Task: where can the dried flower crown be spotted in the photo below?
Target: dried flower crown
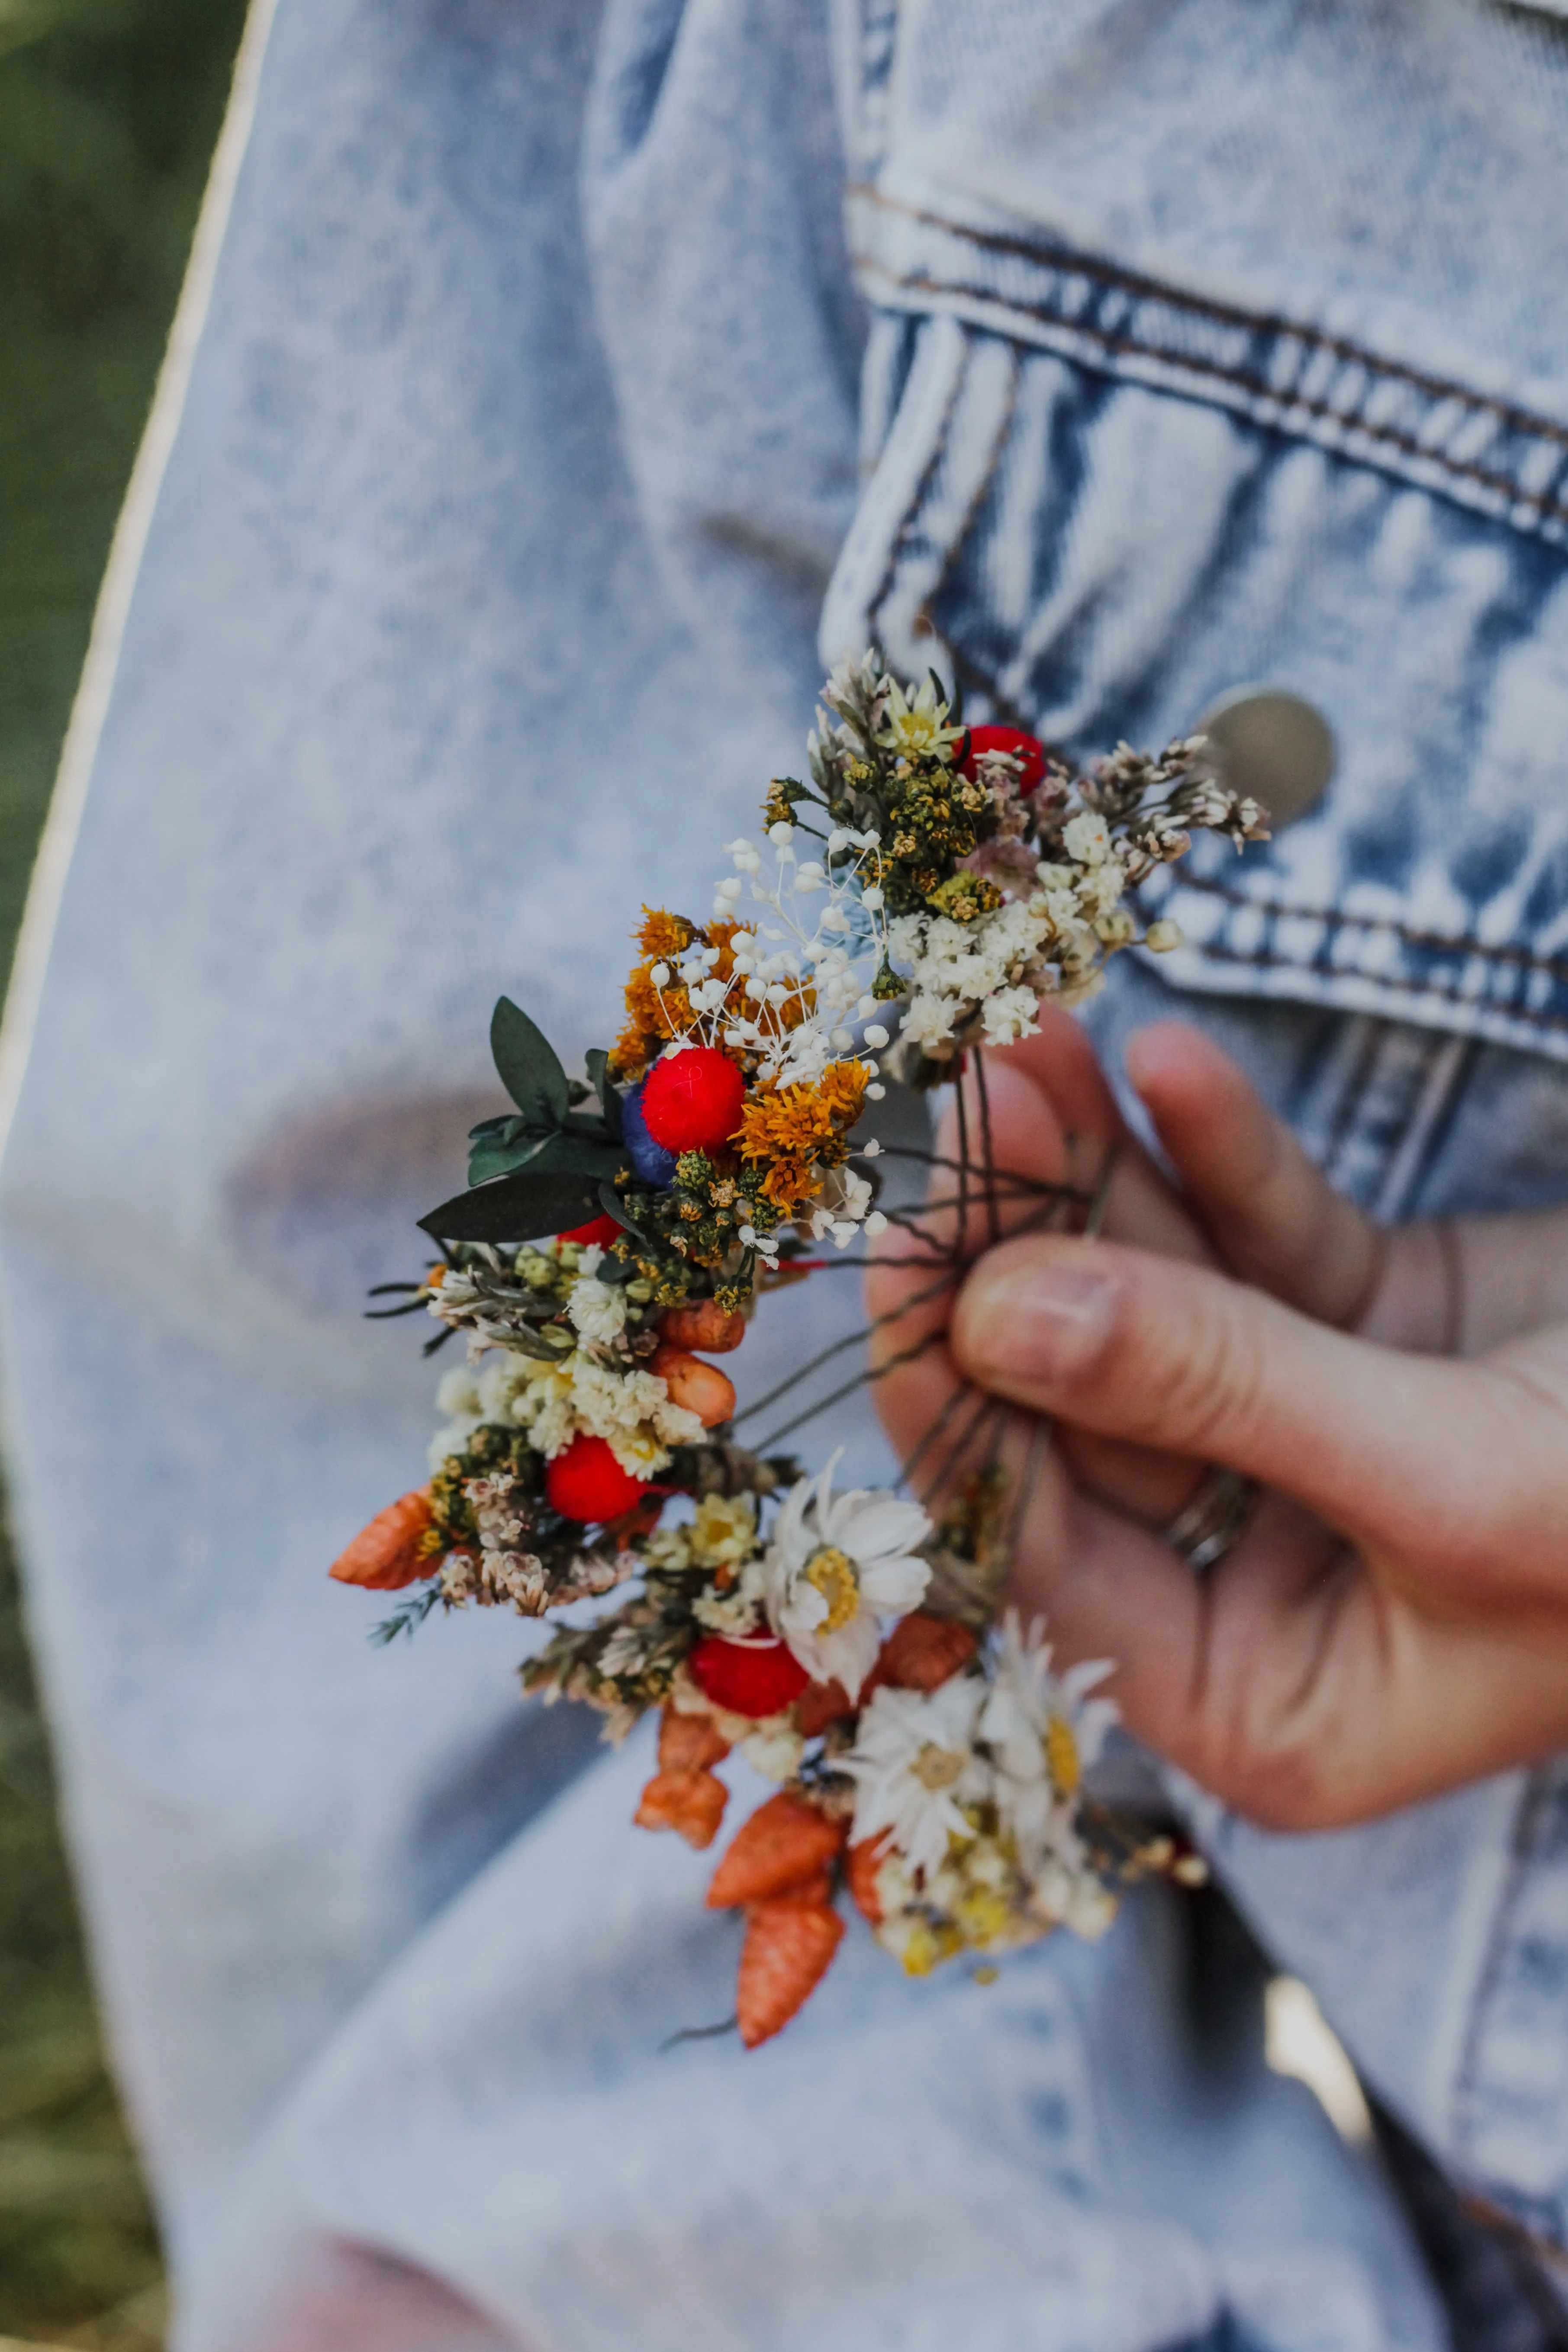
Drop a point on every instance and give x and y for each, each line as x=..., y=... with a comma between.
x=615, y=1238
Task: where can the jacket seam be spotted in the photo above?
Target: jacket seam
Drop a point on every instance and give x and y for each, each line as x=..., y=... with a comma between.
x=1265, y=959
x=999, y=442
x=1337, y=1142
x=972, y=674
x=1103, y=273
x=1337, y=918
x=918, y=494
x=1254, y=386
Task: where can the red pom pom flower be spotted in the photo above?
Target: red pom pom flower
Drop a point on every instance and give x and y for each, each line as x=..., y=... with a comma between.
x=600, y=1230
x=1027, y=749
x=755, y=1677
x=692, y=1101
x=587, y=1482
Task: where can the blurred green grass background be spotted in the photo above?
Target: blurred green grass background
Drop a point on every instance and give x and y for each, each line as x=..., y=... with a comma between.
x=109, y=110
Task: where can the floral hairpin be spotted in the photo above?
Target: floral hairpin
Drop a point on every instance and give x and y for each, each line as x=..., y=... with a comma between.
x=617, y=1233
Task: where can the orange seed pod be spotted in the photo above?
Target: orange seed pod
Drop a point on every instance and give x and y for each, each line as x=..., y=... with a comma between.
x=787, y=1952
x=861, y=1866
x=785, y=1843
x=386, y=1555
x=921, y=1654
x=690, y=1802
x=704, y=1324
x=700, y=1388
x=690, y=1743
x=819, y=1704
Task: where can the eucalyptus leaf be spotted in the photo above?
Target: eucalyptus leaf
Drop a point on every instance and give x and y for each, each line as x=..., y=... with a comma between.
x=528, y=1066
x=580, y=1155
x=496, y=1157
x=521, y=1208
x=595, y=1062
x=577, y=1146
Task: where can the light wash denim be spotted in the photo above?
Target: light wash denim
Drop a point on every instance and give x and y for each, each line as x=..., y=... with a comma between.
x=545, y=433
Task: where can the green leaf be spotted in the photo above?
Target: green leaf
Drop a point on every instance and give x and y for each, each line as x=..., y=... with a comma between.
x=524, y=1208
x=576, y=1155
x=595, y=1063
x=496, y=1157
x=528, y=1066
x=614, y=1206
x=566, y=1151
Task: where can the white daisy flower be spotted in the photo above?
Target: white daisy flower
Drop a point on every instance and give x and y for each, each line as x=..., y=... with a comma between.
x=916, y=1768
x=834, y=1567
x=1044, y=1731
x=919, y=722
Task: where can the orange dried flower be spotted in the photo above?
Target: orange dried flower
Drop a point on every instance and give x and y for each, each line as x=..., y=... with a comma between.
x=922, y=1652
x=787, y=1841
x=392, y=1551
x=690, y=1743
x=819, y=1704
x=861, y=1866
x=788, y=1949
x=690, y=1804
x=843, y=1088
x=649, y=1024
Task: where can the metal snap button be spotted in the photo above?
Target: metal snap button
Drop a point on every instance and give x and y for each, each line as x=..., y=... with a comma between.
x=1276, y=746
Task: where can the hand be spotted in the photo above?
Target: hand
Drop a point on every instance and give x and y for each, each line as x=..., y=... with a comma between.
x=1396, y=1621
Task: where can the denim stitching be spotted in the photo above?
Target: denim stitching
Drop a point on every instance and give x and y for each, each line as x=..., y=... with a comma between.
x=1333, y=921
x=1255, y=387
x=1438, y=943
x=1103, y=273
x=1265, y=960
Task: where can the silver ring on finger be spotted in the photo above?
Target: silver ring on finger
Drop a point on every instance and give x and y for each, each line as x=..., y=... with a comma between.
x=1214, y=1518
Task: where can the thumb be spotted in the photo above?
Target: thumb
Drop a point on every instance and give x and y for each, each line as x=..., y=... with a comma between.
x=1452, y=1465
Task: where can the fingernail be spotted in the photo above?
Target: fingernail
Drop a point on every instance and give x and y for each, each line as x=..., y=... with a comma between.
x=1045, y=1324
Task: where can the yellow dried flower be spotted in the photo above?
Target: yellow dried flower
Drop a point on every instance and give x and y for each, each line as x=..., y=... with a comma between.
x=792, y=1130
x=661, y=936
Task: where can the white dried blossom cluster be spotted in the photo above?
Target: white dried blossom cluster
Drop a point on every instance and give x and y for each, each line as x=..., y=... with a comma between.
x=983, y=982
x=816, y=925
x=631, y=1409
x=978, y=972
x=975, y=1790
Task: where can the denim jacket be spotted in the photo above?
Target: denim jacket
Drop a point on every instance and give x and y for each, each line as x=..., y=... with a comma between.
x=1221, y=344
x=533, y=428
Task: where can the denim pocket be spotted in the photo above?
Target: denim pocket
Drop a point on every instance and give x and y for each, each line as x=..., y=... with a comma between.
x=1102, y=493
